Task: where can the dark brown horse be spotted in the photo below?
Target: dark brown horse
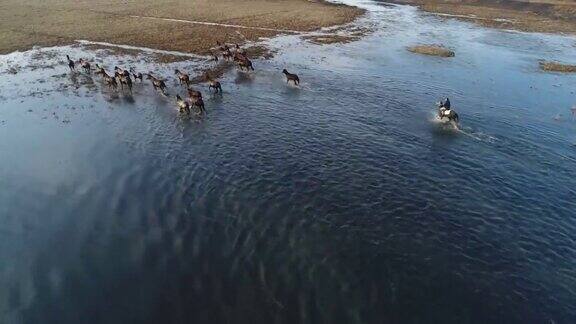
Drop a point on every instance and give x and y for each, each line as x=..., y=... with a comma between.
x=71, y=63
x=291, y=77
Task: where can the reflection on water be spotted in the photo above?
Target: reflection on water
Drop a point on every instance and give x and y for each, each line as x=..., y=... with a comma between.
x=336, y=202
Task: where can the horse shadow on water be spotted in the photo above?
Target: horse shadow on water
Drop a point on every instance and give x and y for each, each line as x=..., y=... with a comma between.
x=244, y=77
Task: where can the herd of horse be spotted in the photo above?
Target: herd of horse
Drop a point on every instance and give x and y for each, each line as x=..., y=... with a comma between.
x=233, y=53
x=125, y=78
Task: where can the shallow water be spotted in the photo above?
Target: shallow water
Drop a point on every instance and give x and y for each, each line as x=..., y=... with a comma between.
x=341, y=201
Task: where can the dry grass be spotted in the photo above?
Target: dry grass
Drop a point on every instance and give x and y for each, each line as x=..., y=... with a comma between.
x=434, y=50
x=57, y=22
x=557, y=67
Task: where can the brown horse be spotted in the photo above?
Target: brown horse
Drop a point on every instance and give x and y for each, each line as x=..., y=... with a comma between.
x=124, y=80
x=110, y=81
x=213, y=84
x=194, y=93
x=156, y=83
x=247, y=64
x=198, y=103
x=183, y=77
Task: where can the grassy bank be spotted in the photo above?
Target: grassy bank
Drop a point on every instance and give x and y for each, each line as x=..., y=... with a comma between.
x=152, y=23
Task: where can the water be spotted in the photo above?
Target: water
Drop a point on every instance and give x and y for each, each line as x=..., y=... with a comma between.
x=341, y=201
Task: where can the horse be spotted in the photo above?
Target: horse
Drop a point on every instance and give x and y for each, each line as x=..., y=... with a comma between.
x=110, y=81
x=124, y=80
x=71, y=63
x=99, y=70
x=122, y=72
x=136, y=75
x=222, y=47
x=183, y=78
x=213, y=84
x=227, y=55
x=183, y=106
x=450, y=114
x=291, y=77
x=239, y=50
x=194, y=93
x=245, y=63
x=156, y=83
x=198, y=103
x=85, y=65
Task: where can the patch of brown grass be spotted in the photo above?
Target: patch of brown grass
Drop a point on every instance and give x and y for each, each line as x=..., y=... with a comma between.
x=331, y=39
x=557, y=67
x=435, y=50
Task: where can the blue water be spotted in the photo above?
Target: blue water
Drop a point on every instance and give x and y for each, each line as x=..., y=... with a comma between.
x=341, y=201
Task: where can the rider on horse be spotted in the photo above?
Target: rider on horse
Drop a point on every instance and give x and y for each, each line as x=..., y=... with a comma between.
x=445, y=104
x=444, y=110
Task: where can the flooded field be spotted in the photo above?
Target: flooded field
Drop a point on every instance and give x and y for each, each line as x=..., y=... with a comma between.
x=339, y=201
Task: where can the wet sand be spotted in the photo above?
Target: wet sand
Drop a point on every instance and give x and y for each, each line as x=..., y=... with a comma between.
x=186, y=26
x=531, y=16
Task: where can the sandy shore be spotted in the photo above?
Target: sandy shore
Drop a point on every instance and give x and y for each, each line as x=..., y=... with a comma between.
x=191, y=26
x=548, y=16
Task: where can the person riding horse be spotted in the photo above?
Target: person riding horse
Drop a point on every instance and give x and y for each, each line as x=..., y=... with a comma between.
x=445, y=104
x=445, y=110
